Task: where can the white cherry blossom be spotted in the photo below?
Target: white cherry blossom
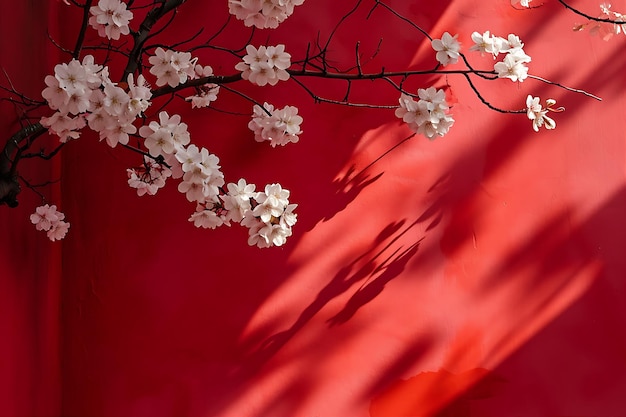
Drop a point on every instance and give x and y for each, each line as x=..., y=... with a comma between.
x=427, y=116
x=538, y=114
x=447, y=49
x=172, y=67
x=207, y=218
x=265, y=65
x=513, y=66
x=110, y=18
x=279, y=127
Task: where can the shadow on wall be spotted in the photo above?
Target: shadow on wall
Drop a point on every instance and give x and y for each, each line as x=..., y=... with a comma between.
x=556, y=260
x=364, y=268
x=560, y=274
x=444, y=393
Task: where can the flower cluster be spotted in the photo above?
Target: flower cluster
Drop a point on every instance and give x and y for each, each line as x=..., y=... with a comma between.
x=538, y=114
x=172, y=67
x=279, y=127
x=200, y=171
x=47, y=218
x=226, y=207
x=110, y=18
x=202, y=177
x=272, y=217
x=268, y=215
x=82, y=94
x=166, y=136
x=429, y=115
x=513, y=66
x=262, y=13
x=447, y=49
x=149, y=177
x=266, y=65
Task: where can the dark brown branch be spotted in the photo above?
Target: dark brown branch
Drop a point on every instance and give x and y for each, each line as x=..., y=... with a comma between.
x=9, y=185
x=319, y=99
x=83, y=28
x=57, y=45
x=484, y=101
x=46, y=156
x=248, y=98
x=142, y=35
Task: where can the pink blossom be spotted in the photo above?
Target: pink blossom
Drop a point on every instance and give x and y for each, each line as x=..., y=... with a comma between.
x=47, y=218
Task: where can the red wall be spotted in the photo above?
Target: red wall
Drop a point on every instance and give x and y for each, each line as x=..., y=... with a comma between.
x=480, y=274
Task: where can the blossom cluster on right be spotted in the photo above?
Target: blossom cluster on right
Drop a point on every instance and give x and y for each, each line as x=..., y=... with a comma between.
x=513, y=66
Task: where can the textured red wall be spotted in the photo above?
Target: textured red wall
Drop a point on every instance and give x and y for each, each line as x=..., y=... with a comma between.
x=481, y=274
x=30, y=268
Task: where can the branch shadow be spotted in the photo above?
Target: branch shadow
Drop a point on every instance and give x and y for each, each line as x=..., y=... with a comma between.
x=565, y=256
x=389, y=269
x=354, y=272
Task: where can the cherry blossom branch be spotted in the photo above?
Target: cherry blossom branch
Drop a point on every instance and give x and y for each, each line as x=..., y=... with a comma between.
x=587, y=16
x=12, y=151
x=82, y=94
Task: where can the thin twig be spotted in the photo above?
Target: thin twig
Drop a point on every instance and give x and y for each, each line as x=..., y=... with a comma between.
x=319, y=99
x=485, y=102
x=573, y=90
x=585, y=15
x=399, y=16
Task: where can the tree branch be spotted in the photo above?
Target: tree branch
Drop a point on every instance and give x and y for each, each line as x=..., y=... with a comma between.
x=142, y=35
x=585, y=15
